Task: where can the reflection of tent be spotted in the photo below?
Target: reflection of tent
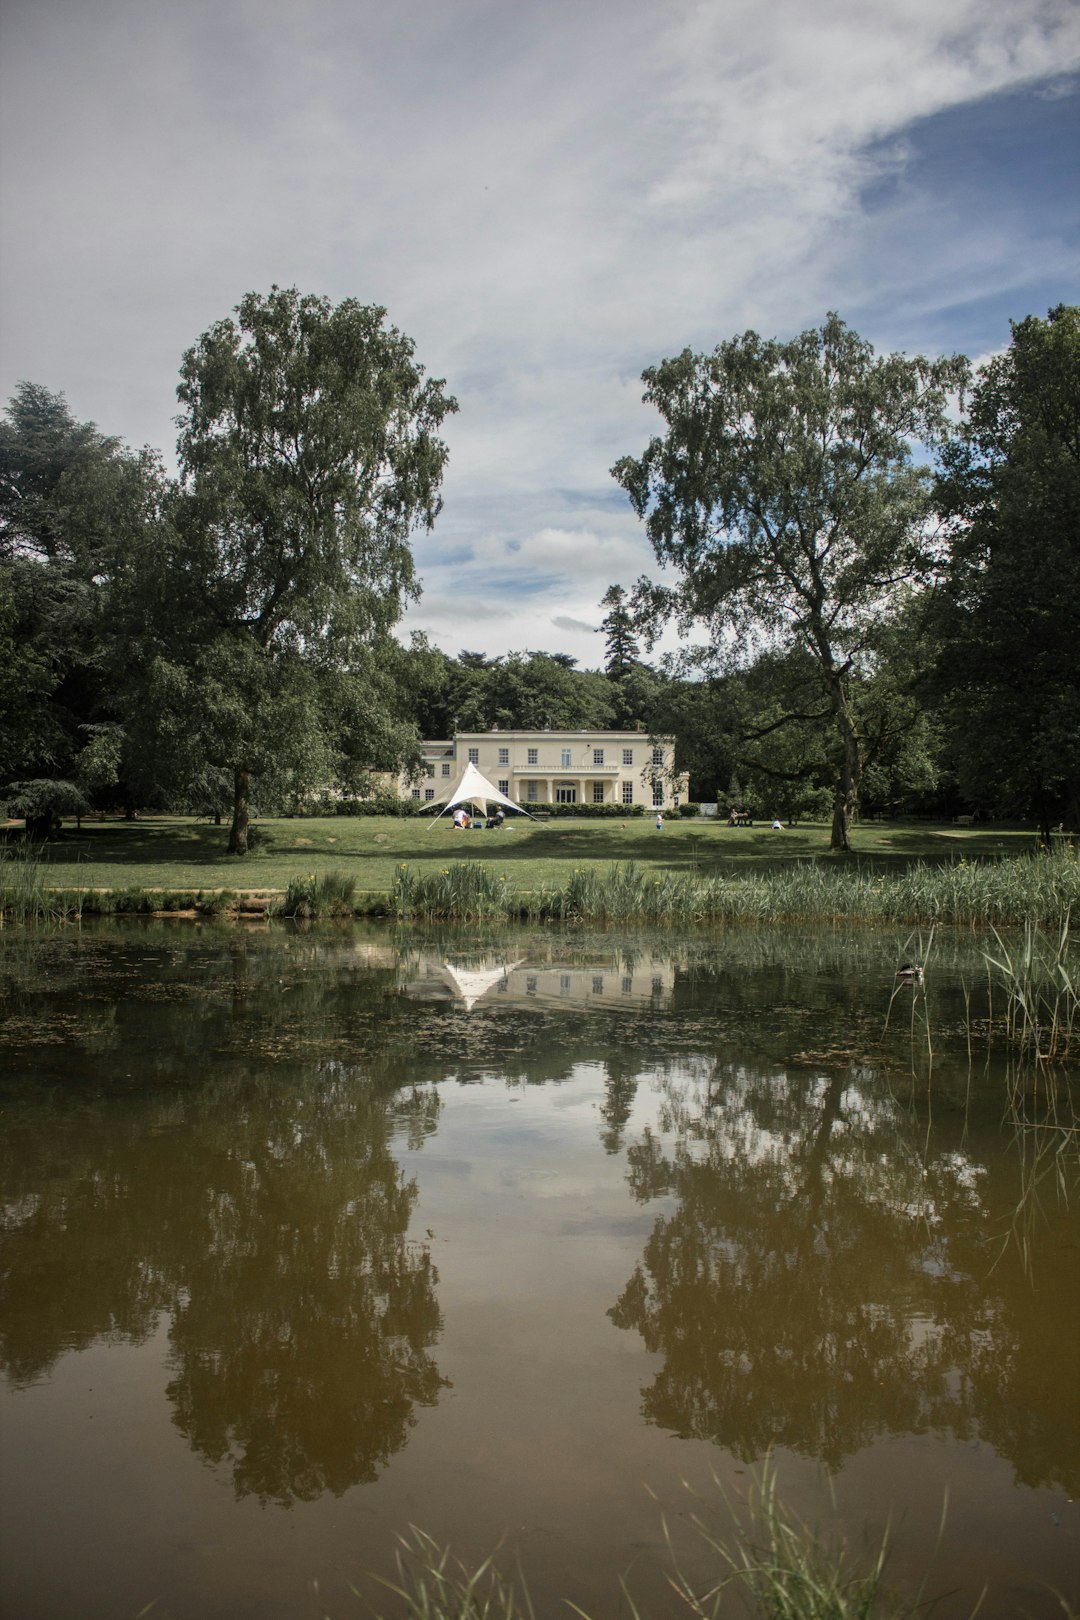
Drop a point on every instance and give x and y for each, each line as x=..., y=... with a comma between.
x=473, y=787
x=472, y=983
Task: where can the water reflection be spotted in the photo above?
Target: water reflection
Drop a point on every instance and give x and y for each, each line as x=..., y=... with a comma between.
x=267, y=1224
x=203, y=1135
x=824, y=1279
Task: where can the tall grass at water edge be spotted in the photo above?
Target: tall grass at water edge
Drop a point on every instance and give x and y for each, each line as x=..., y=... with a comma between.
x=774, y=1567
x=26, y=895
x=1008, y=893
x=1039, y=889
x=1035, y=994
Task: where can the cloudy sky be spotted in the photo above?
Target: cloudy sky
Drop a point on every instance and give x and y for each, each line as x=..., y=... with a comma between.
x=547, y=196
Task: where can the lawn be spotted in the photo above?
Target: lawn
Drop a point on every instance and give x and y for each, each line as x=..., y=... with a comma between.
x=173, y=852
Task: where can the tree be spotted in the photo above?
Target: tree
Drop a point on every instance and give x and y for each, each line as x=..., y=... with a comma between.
x=75, y=509
x=617, y=628
x=1008, y=602
x=785, y=494
x=309, y=453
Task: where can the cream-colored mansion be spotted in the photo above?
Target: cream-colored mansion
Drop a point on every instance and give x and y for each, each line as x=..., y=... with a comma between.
x=559, y=767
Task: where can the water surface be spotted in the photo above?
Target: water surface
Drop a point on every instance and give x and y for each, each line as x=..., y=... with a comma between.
x=520, y=1238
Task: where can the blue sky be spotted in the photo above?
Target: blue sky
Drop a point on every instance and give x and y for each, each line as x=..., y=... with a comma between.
x=548, y=196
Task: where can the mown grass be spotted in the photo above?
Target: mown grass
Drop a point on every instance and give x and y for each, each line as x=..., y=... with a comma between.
x=180, y=853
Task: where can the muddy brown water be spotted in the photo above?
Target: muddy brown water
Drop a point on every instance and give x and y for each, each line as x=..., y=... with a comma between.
x=541, y=1241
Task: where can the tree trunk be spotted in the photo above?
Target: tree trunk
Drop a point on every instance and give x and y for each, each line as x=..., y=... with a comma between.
x=846, y=805
x=238, y=832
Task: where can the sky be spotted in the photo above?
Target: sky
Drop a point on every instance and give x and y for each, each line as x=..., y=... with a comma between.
x=547, y=196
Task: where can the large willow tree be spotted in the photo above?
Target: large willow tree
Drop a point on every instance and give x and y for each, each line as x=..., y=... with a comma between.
x=309, y=453
x=785, y=494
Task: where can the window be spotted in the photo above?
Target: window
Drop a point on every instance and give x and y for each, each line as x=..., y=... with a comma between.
x=565, y=760
x=446, y=770
x=533, y=757
x=628, y=987
x=532, y=795
x=416, y=793
x=658, y=795
x=530, y=984
x=628, y=793
x=598, y=984
x=504, y=785
x=429, y=770
x=658, y=756
x=564, y=984
x=429, y=793
x=628, y=756
x=565, y=793
x=598, y=756
x=598, y=793
x=504, y=756
x=474, y=756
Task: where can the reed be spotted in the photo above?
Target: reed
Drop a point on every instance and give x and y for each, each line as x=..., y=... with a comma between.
x=25, y=893
x=784, y=1569
x=1036, y=982
x=331, y=894
x=466, y=890
x=434, y=1585
x=775, y=1567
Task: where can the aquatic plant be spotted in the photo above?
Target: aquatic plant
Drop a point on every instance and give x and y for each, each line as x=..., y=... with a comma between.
x=780, y=1567
x=464, y=889
x=434, y=1585
x=1039, y=982
x=328, y=895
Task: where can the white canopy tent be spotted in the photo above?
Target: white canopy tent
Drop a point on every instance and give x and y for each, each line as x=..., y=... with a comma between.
x=473, y=787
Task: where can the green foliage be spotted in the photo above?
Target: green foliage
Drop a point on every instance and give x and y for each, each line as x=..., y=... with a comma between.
x=74, y=510
x=309, y=454
x=590, y=812
x=783, y=492
x=1007, y=607
x=42, y=803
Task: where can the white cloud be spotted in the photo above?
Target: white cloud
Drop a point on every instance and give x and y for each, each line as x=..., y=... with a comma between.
x=547, y=197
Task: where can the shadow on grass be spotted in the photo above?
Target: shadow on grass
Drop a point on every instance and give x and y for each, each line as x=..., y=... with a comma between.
x=682, y=846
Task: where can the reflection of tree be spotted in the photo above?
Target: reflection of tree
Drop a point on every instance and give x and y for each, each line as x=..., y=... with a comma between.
x=300, y=1350
x=817, y=1282
x=620, y=1089
x=270, y=1220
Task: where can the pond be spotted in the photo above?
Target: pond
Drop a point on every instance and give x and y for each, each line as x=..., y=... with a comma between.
x=540, y=1241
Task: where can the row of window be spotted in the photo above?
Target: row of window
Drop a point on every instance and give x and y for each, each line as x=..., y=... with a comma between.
x=532, y=757
x=565, y=793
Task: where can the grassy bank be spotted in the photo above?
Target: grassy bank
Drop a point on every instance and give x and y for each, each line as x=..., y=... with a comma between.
x=180, y=853
x=1037, y=889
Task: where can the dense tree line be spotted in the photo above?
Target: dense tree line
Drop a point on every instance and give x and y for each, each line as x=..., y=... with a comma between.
x=876, y=565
